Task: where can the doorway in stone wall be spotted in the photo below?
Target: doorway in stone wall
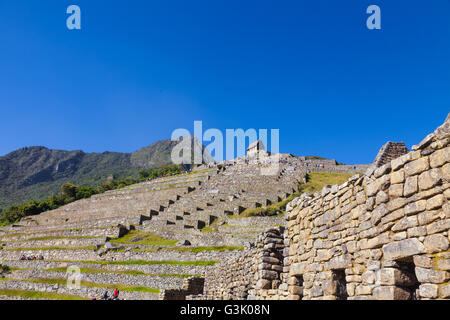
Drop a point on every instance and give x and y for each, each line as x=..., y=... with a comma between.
x=407, y=277
x=341, y=284
x=299, y=283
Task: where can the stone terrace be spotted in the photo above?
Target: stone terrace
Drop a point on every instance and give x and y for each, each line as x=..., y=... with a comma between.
x=173, y=208
x=382, y=235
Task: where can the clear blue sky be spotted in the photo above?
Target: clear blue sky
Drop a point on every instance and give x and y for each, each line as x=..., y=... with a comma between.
x=140, y=69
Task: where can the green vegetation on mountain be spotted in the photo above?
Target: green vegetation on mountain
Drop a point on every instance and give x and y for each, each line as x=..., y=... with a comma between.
x=70, y=193
x=37, y=172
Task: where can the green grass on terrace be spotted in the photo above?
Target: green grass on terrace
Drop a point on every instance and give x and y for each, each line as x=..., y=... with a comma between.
x=128, y=272
x=145, y=238
x=315, y=181
x=38, y=295
x=62, y=281
x=50, y=248
x=193, y=249
x=145, y=262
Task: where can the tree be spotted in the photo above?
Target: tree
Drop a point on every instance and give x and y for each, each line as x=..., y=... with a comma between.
x=69, y=190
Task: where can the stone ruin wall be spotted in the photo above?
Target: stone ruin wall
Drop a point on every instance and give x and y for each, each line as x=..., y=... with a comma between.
x=383, y=235
x=254, y=274
x=191, y=286
x=390, y=151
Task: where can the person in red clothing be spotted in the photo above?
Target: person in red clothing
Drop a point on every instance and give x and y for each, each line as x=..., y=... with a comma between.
x=116, y=294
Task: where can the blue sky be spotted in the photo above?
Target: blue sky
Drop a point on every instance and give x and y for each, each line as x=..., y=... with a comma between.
x=140, y=69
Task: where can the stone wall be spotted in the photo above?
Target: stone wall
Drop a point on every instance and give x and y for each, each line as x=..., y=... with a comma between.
x=389, y=151
x=86, y=292
x=191, y=286
x=382, y=235
x=255, y=273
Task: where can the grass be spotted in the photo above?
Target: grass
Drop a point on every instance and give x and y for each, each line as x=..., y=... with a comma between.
x=147, y=262
x=128, y=272
x=54, y=238
x=203, y=249
x=51, y=248
x=121, y=287
x=145, y=238
x=315, y=181
x=213, y=227
x=57, y=238
x=193, y=249
x=38, y=295
x=207, y=229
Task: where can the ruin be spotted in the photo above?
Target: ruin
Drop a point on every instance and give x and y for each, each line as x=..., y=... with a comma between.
x=381, y=235
x=389, y=151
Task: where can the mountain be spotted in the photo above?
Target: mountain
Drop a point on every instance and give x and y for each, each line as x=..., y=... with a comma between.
x=34, y=173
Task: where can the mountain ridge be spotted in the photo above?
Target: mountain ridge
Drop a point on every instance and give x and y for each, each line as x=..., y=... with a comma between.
x=37, y=172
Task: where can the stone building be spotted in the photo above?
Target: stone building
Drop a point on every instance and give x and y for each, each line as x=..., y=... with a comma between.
x=381, y=235
x=389, y=151
x=255, y=148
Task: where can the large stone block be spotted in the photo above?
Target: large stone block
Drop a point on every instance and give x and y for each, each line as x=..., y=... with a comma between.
x=429, y=291
x=430, y=275
x=428, y=217
x=443, y=264
x=402, y=249
x=444, y=291
x=269, y=275
x=440, y=157
x=264, y=284
x=391, y=293
x=373, y=188
x=429, y=179
x=417, y=232
x=438, y=226
x=435, y=202
x=378, y=213
x=396, y=190
x=411, y=186
x=415, y=207
x=417, y=166
x=316, y=291
x=397, y=163
x=396, y=204
x=394, y=276
x=368, y=277
x=435, y=243
x=405, y=223
x=398, y=177
x=340, y=262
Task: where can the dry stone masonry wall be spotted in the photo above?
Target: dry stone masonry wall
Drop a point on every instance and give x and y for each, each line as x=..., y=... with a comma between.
x=258, y=272
x=382, y=235
x=390, y=151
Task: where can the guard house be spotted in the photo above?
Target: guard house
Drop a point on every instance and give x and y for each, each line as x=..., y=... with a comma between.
x=255, y=148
